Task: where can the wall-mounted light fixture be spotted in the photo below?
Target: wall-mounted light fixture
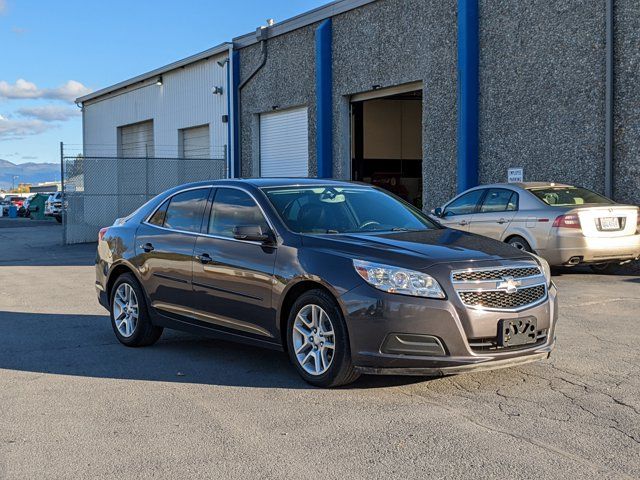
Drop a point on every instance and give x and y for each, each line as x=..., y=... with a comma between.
x=159, y=81
x=216, y=90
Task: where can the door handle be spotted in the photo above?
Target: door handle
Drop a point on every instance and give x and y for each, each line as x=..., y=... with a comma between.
x=501, y=221
x=147, y=247
x=463, y=222
x=204, y=258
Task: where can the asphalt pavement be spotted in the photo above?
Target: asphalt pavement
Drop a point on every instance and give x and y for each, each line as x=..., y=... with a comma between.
x=74, y=403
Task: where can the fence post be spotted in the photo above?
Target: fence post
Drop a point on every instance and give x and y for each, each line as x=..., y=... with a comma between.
x=63, y=211
x=146, y=171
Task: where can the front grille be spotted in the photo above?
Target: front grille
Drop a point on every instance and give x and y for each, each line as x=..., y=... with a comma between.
x=501, y=299
x=495, y=274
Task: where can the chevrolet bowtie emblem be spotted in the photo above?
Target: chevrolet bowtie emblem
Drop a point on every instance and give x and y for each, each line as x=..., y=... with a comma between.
x=509, y=284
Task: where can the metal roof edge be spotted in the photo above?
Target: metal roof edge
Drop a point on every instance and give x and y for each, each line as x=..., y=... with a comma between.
x=223, y=47
x=307, y=18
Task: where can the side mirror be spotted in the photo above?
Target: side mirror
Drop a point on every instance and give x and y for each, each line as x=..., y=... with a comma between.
x=438, y=212
x=252, y=233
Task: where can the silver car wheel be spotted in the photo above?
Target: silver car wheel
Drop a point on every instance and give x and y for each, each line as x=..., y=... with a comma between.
x=125, y=310
x=313, y=339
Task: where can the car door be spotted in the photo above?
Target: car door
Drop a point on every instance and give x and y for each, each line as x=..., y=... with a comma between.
x=232, y=278
x=496, y=211
x=164, y=244
x=459, y=212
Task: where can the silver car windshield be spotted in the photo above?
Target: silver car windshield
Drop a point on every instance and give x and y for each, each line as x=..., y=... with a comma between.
x=327, y=209
x=569, y=196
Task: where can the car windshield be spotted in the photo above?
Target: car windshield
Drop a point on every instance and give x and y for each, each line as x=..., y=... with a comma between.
x=569, y=196
x=328, y=209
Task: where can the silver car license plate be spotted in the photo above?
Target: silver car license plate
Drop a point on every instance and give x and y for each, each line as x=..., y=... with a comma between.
x=609, y=223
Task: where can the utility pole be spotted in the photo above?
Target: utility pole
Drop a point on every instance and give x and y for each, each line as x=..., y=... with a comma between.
x=13, y=181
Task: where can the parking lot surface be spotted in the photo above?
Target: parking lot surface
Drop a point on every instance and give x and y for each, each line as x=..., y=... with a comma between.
x=74, y=403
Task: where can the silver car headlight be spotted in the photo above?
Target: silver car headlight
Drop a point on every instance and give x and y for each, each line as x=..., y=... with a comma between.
x=546, y=269
x=398, y=280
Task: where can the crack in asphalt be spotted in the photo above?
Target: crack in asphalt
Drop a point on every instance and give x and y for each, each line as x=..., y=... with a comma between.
x=547, y=447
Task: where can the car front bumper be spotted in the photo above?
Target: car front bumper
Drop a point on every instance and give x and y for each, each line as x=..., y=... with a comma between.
x=372, y=316
x=562, y=248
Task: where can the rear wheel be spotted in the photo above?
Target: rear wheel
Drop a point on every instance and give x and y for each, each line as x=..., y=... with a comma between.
x=520, y=243
x=129, y=316
x=318, y=342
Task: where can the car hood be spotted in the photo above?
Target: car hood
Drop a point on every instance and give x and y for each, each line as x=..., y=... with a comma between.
x=416, y=250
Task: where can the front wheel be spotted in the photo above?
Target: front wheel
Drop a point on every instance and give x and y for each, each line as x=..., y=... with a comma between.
x=129, y=316
x=317, y=341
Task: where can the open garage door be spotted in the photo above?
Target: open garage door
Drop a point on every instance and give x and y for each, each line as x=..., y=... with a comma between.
x=387, y=141
x=284, y=143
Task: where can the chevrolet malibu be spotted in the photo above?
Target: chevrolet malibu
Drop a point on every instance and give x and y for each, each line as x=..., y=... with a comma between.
x=345, y=278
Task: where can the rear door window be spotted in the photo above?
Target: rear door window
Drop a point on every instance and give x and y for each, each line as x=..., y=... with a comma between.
x=499, y=200
x=464, y=205
x=185, y=210
x=234, y=208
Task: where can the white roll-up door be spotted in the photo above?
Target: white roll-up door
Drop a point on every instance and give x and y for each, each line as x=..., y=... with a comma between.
x=195, y=142
x=284, y=143
x=137, y=140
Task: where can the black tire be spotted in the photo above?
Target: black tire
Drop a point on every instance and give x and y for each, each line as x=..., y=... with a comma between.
x=144, y=333
x=604, y=268
x=341, y=370
x=520, y=243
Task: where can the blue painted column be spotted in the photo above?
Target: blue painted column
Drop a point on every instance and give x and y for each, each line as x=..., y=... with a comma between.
x=237, y=173
x=324, y=101
x=468, y=89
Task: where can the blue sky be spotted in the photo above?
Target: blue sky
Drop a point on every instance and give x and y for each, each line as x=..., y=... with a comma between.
x=53, y=51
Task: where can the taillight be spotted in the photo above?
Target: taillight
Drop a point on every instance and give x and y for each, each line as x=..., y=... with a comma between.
x=101, y=233
x=567, y=221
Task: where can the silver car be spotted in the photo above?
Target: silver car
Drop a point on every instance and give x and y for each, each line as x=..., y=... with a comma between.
x=566, y=225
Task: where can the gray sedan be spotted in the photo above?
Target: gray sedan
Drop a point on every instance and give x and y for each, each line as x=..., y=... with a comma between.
x=566, y=225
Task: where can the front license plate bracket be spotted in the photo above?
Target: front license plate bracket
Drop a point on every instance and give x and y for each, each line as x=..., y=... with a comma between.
x=517, y=331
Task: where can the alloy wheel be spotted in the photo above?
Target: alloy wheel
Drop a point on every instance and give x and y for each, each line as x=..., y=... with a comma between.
x=125, y=310
x=313, y=339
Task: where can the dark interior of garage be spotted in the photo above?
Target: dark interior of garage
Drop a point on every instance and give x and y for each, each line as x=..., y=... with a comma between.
x=386, y=146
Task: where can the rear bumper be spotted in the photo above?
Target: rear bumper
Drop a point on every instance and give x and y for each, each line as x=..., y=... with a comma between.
x=561, y=249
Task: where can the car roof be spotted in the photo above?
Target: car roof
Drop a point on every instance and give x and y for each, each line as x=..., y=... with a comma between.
x=523, y=185
x=271, y=182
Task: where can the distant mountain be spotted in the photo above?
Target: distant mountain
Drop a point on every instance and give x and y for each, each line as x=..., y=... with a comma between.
x=27, y=173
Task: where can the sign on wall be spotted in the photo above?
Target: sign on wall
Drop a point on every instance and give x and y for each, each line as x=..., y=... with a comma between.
x=515, y=175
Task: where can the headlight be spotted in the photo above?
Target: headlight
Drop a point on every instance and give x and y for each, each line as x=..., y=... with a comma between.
x=546, y=269
x=398, y=280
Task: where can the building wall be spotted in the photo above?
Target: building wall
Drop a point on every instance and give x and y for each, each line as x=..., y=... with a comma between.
x=395, y=42
x=287, y=80
x=542, y=89
x=626, y=186
x=183, y=100
x=385, y=43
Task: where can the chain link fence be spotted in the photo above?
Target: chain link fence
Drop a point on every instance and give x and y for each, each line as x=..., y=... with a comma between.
x=97, y=190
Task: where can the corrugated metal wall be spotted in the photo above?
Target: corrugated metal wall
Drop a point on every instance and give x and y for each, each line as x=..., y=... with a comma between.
x=183, y=100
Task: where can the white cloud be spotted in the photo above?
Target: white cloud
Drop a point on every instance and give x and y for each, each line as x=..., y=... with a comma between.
x=16, y=129
x=3, y=6
x=18, y=30
x=22, y=88
x=50, y=113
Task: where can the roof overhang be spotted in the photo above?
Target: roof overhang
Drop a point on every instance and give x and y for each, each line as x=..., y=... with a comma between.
x=222, y=48
x=312, y=16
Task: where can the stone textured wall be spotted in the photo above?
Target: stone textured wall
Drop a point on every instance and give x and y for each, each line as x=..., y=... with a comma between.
x=542, y=88
x=392, y=42
x=626, y=187
x=286, y=80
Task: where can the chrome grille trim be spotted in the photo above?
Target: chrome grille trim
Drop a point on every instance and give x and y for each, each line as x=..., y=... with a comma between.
x=491, y=288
